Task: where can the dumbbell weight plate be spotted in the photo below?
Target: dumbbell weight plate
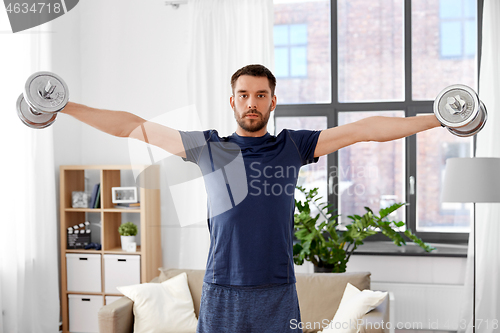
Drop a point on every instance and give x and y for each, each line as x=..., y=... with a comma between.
x=456, y=119
x=459, y=109
x=35, y=89
x=36, y=121
x=474, y=126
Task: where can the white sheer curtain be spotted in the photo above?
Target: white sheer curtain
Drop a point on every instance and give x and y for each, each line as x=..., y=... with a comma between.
x=29, y=290
x=487, y=215
x=225, y=36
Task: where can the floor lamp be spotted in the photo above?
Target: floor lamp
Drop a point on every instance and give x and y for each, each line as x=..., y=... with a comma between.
x=472, y=180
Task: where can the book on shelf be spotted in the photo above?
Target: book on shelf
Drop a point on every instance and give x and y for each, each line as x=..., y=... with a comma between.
x=93, y=197
x=97, y=203
x=133, y=205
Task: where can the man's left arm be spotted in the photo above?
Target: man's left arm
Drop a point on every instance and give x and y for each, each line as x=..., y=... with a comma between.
x=378, y=128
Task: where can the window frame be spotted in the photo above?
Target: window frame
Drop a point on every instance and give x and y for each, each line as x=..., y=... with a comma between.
x=409, y=106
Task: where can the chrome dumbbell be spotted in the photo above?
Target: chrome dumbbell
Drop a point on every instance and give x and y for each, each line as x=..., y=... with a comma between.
x=45, y=94
x=459, y=109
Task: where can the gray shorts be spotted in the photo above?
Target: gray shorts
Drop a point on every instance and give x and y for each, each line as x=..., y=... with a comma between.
x=235, y=309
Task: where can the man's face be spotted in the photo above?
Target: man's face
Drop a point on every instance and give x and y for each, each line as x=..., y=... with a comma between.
x=252, y=102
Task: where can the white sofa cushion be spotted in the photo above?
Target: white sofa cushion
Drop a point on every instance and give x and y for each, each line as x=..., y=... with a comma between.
x=162, y=307
x=353, y=306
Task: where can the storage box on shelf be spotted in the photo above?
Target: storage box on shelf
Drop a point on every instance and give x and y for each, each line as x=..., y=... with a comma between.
x=83, y=309
x=89, y=277
x=120, y=270
x=83, y=272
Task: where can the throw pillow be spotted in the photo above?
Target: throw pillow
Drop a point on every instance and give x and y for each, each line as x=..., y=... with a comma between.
x=353, y=306
x=162, y=307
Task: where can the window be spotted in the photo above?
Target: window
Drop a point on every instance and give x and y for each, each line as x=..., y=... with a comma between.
x=290, y=50
x=302, y=51
x=457, y=20
x=370, y=59
x=370, y=174
x=444, y=44
x=434, y=147
x=365, y=59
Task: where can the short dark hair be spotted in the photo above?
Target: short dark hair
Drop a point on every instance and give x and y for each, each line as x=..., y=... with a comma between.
x=255, y=70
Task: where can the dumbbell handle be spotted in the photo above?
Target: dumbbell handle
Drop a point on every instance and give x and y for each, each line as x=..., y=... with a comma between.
x=34, y=112
x=457, y=105
x=49, y=89
x=45, y=93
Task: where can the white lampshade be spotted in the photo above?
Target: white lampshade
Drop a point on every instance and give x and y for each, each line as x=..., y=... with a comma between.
x=472, y=180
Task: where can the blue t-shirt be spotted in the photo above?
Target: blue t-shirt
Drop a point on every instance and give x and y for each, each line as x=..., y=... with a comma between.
x=250, y=184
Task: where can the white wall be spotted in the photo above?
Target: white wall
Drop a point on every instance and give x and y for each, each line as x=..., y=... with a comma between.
x=132, y=56
x=405, y=269
x=118, y=55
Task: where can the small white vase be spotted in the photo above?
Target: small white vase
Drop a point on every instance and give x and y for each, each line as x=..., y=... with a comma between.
x=126, y=240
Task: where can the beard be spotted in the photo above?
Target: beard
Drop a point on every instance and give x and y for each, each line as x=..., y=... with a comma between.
x=252, y=124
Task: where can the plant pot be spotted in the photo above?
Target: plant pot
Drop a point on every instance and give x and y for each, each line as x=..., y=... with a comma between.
x=126, y=240
x=323, y=269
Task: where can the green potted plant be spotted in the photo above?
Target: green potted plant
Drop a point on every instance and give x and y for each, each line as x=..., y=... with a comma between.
x=127, y=231
x=328, y=248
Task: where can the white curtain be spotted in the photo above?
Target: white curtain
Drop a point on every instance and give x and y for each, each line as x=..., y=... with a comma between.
x=225, y=36
x=29, y=289
x=487, y=215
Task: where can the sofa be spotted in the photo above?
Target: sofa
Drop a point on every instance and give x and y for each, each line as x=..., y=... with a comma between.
x=319, y=297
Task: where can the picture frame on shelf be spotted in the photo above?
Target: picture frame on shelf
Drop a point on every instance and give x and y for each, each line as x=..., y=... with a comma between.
x=79, y=199
x=124, y=194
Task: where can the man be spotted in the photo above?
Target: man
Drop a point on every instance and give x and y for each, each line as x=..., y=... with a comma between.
x=249, y=284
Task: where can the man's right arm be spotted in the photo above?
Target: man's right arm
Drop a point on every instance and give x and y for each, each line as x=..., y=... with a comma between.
x=127, y=125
